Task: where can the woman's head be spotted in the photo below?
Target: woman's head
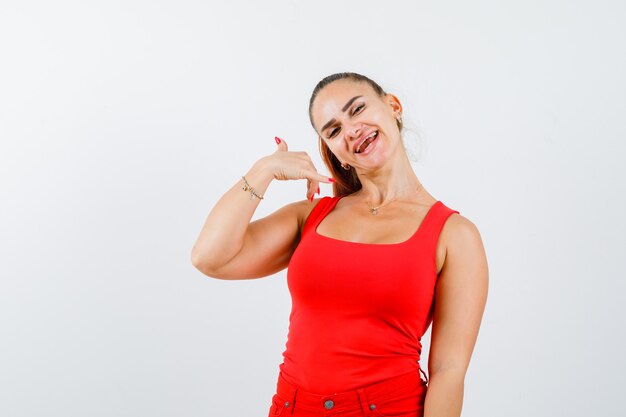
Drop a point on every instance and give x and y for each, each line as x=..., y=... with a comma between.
x=342, y=121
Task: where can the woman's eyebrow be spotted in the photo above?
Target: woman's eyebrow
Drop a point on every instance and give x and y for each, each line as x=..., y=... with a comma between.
x=331, y=121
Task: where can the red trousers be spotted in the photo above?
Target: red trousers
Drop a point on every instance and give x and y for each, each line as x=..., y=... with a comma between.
x=400, y=396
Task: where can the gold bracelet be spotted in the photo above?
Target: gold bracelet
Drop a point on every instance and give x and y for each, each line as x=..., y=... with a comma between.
x=247, y=187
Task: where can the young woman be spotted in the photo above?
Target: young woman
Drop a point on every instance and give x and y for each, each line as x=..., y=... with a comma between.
x=369, y=268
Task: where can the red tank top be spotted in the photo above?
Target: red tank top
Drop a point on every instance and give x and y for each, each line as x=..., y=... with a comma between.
x=359, y=310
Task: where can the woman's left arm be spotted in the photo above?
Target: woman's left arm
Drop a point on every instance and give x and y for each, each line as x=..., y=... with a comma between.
x=460, y=298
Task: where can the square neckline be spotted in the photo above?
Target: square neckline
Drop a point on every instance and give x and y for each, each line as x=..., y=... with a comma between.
x=419, y=228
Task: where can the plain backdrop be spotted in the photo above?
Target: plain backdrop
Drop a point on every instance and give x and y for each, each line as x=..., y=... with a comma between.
x=123, y=122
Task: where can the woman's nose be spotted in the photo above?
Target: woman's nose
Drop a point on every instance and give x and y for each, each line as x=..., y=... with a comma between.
x=354, y=131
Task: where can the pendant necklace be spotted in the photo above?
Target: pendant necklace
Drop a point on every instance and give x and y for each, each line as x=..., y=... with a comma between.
x=374, y=210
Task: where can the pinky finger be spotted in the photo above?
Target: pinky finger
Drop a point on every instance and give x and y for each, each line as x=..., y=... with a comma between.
x=318, y=177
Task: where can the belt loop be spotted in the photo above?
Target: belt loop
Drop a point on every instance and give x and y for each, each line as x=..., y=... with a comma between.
x=424, y=373
x=293, y=401
x=363, y=400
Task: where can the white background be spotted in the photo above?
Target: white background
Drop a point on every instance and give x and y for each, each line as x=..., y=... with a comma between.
x=123, y=122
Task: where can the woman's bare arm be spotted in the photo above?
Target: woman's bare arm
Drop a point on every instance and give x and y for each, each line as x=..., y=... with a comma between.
x=229, y=246
x=222, y=235
x=460, y=298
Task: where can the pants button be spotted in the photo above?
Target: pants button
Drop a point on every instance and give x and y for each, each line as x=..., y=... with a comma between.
x=372, y=406
x=328, y=404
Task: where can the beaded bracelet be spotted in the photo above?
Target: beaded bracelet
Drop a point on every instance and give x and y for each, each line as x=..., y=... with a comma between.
x=247, y=187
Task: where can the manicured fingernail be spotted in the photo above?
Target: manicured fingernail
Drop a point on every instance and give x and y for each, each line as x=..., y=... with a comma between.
x=312, y=195
x=331, y=179
x=277, y=139
x=318, y=190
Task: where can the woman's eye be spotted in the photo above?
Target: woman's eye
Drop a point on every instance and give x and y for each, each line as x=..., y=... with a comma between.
x=356, y=110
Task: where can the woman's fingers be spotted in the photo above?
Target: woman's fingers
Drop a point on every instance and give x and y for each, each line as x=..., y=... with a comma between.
x=282, y=145
x=288, y=162
x=312, y=187
x=313, y=180
x=316, y=178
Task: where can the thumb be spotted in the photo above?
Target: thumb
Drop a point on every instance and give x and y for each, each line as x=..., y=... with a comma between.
x=282, y=145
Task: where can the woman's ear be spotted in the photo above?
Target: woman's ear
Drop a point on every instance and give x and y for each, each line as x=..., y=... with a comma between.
x=394, y=102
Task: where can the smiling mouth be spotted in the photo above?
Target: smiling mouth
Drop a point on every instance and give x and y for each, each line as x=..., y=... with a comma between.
x=367, y=143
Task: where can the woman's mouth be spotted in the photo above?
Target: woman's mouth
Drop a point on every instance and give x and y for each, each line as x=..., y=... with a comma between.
x=367, y=145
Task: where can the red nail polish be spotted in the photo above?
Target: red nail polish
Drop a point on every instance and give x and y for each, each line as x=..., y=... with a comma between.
x=318, y=190
x=277, y=139
x=311, y=199
x=331, y=179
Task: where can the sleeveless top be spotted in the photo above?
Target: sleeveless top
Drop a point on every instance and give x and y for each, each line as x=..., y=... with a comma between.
x=358, y=310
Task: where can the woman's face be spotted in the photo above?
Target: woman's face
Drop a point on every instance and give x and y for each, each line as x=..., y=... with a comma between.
x=346, y=112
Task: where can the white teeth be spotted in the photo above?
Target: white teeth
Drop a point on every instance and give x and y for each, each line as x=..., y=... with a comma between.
x=371, y=135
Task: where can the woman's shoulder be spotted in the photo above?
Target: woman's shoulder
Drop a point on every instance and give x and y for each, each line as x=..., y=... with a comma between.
x=459, y=239
x=460, y=232
x=305, y=207
x=302, y=209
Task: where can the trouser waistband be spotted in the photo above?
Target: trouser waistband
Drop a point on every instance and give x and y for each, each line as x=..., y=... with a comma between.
x=366, y=397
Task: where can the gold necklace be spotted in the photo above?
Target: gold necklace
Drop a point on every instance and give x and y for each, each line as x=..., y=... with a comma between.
x=374, y=210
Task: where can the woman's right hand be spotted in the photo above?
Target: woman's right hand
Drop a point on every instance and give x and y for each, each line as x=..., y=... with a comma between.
x=295, y=165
